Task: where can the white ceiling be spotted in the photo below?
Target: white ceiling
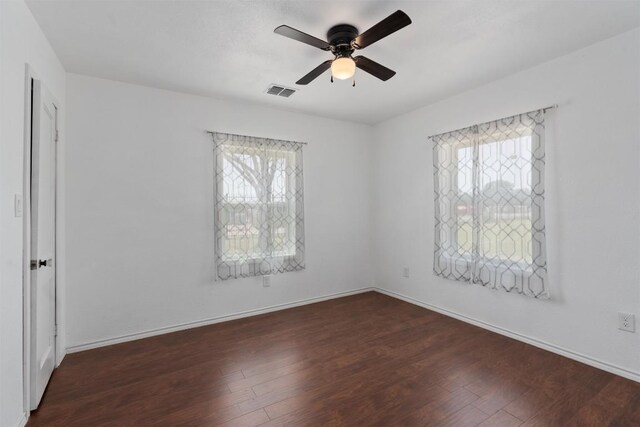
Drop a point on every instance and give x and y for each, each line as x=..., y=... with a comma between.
x=227, y=49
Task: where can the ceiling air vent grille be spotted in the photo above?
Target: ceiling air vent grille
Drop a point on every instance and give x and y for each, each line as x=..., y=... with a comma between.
x=280, y=90
x=274, y=90
x=287, y=93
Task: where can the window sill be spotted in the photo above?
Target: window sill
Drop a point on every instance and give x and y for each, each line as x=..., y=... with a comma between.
x=490, y=263
x=258, y=260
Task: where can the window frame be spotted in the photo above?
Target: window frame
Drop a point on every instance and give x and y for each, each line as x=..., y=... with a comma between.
x=468, y=258
x=274, y=169
x=527, y=273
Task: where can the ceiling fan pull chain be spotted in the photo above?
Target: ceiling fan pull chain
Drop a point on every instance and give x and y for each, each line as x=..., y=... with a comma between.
x=354, y=83
x=332, y=78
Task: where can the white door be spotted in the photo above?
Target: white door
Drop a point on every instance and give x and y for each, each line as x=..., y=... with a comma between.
x=43, y=271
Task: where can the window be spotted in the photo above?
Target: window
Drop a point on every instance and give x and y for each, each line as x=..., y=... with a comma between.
x=259, y=221
x=489, y=204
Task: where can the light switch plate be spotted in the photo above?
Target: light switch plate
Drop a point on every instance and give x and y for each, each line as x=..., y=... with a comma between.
x=266, y=281
x=18, y=205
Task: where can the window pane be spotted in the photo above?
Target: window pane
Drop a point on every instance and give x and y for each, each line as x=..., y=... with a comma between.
x=241, y=236
x=464, y=201
x=241, y=170
x=259, y=209
x=505, y=199
x=489, y=204
x=282, y=203
x=240, y=213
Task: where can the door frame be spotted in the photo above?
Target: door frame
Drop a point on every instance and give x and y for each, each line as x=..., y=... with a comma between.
x=31, y=75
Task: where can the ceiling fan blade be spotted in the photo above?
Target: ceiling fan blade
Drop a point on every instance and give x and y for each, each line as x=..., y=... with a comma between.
x=292, y=33
x=315, y=73
x=388, y=25
x=373, y=68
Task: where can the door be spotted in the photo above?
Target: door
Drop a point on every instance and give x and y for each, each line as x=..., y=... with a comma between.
x=43, y=270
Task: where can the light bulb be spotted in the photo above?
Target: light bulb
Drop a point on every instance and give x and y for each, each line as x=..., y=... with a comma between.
x=343, y=68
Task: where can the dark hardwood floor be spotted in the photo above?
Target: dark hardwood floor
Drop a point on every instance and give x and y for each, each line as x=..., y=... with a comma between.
x=363, y=360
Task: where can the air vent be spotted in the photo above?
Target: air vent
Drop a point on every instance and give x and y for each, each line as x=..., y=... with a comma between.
x=274, y=90
x=287, y=93
x=280, y=90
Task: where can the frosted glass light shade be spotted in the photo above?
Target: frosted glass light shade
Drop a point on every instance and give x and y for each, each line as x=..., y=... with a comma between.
x=343, y=68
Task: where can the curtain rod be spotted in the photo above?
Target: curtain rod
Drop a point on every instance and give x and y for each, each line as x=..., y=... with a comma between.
x=544, y=109
x=259, y=137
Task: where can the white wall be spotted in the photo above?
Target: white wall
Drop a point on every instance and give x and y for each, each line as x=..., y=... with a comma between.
x=593, y=201
x=140, y=208
x=21, y=41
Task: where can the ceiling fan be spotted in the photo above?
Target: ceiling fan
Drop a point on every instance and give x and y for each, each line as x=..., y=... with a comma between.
x=342, y=41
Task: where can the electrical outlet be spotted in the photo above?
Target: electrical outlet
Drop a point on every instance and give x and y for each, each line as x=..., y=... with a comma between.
x=266, y=281
x=405, y=272
x=627, y=322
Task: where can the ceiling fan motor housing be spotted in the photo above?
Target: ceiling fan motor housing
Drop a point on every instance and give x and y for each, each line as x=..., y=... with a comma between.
x=340, y=38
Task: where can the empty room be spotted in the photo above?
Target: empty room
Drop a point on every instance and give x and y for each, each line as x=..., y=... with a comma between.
x=319, y=213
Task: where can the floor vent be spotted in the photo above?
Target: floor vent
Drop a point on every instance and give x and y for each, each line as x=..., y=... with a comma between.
x=280, y=90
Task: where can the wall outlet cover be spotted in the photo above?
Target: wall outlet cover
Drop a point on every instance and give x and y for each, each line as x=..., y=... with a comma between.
x=266, y=281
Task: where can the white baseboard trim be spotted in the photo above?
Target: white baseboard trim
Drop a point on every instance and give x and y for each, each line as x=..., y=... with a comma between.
x=588, y=360
x=210, y=321
x=605, y=366
x=60, y=356
x=22, y=421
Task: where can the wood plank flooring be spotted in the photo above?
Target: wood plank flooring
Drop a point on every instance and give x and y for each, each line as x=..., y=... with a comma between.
x=363, y=360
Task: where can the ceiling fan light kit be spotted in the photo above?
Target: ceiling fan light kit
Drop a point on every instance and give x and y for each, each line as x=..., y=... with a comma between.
x=343, y=68
x=342, y=41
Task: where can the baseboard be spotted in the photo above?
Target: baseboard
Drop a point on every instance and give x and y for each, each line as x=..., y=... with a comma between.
x=60, y=357
x=22, y=421
x=588, y=360
x=614, y=369
x=210, y=321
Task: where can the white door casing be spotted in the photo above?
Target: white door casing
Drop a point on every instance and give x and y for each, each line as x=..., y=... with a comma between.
x=43, y=283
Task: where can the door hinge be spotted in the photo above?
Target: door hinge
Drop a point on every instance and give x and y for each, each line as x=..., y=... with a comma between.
x=57, y=135
x=55, y=330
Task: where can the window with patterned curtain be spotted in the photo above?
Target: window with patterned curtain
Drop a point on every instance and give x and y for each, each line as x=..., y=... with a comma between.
x=489, y=204
x=258, y=215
